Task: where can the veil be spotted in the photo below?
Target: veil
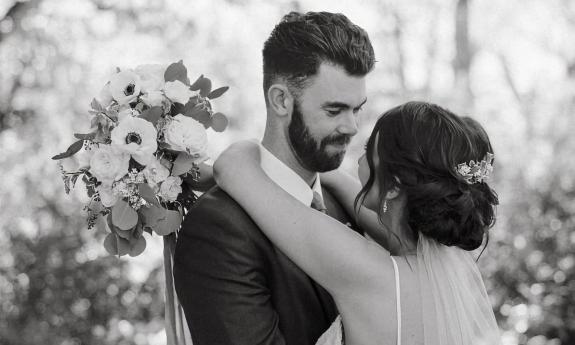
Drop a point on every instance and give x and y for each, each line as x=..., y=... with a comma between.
x=455, y=305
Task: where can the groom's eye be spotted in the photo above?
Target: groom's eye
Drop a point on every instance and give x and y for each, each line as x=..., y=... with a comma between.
x=334, y=112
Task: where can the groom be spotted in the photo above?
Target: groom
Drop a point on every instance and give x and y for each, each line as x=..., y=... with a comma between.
x=236, y=288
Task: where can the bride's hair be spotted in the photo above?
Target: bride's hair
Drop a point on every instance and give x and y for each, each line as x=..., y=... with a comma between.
x=419, y=147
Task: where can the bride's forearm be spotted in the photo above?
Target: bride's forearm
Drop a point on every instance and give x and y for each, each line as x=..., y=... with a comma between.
x=345, y=188
x=314, y=241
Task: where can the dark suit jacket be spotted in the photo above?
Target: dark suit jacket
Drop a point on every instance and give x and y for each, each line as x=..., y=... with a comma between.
x=237, y=288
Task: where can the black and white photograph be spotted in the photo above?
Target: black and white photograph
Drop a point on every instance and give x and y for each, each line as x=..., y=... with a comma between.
x=287, y=172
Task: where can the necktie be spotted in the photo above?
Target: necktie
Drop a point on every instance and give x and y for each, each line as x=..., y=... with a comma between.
x=317, y=203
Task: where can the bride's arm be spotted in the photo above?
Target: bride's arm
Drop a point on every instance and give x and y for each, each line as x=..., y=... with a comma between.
x=345, y=188
x=337, y=258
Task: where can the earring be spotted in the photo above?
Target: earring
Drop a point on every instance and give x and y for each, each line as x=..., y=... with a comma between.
x=384, y=209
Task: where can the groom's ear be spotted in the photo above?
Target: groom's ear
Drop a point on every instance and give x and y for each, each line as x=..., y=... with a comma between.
x=280, y=99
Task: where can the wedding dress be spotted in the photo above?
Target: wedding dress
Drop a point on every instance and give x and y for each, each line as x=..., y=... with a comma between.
x=456, y=308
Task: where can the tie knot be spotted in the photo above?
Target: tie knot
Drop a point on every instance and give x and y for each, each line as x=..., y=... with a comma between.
x=317, y=203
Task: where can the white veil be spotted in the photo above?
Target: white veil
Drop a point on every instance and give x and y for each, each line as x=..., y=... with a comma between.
x=455, y=305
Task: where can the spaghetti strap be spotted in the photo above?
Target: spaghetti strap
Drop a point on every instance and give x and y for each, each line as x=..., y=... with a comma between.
x=398, y=300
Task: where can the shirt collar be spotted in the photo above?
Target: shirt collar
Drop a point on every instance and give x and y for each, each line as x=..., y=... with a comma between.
x=288, y=179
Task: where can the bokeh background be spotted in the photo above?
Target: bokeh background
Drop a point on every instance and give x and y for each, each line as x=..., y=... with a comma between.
x=509, y=64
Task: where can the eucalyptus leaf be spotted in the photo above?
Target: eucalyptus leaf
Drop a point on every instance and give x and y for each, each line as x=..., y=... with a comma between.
x=196, y=85
x=219, y=122
x=171, y=223
x=199, y=113
x=148, y=194
x=88, y=136
x=153, y=114
x=218, y=92
x=183, y=163
x=123, y=246
x=124, y=216
x=73, y=149
x=205, y=87
x=111, y=244
x=137, y=246
x=161, y=221
x=177, y=71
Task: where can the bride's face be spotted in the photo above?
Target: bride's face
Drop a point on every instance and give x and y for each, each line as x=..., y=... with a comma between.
x=371, y=200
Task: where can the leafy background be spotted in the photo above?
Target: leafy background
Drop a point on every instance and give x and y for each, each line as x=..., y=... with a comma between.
x=509, y=64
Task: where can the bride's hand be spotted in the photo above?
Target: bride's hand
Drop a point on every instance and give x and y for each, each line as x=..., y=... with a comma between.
x=238, y=159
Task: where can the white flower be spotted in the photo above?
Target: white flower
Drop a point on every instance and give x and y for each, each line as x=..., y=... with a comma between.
x=137, y=137
x=151, y=77
x=155, y=172
x=107, y=196
x=125, y=86
x=105, y=96
x=185, y=134
x=170, y=188
x=108, y=164
x=153, y=98
x=177, y=91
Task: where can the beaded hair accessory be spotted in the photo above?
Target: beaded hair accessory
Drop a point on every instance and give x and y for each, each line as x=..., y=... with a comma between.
x=475, y=172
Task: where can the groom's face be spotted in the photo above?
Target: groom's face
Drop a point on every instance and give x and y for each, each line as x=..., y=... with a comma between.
x=325, y=117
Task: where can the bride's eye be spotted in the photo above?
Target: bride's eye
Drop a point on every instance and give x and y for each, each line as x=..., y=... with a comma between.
x=365, y=147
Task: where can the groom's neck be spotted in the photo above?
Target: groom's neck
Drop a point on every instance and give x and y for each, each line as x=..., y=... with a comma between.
x=283, y=151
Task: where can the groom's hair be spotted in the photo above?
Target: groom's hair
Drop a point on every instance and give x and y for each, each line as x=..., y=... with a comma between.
x=301, y=42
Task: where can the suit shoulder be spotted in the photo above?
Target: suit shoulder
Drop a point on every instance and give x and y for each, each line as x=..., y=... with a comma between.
x=216, y=202
x=216, y=208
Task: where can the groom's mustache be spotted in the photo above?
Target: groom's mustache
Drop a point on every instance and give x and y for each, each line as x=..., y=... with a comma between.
x=337, y=139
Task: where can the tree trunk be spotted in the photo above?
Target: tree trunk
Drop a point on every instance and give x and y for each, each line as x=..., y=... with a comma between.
x=463, y=54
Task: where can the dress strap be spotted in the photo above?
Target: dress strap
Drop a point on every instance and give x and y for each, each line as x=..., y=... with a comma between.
x=398, y=300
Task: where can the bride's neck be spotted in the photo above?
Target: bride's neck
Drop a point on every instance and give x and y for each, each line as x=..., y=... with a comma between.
x=397, y=236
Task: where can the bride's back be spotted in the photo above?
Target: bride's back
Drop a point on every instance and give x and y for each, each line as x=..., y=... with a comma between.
x=370, y=315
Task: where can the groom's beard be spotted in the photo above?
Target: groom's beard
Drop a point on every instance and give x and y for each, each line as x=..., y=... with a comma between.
x=311, y=154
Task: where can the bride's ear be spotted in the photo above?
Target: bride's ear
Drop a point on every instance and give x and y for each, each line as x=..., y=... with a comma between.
x=280, y=99
x=395, y=191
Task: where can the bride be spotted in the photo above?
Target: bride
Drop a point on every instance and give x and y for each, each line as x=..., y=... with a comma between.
x=424, y=205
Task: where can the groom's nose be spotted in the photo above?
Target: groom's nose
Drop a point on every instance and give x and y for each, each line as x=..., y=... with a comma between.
x=348, y=124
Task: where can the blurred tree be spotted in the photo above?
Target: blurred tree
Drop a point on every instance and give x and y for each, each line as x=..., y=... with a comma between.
x=511, y=65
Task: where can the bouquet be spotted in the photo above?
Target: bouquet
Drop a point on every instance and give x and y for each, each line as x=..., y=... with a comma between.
x=148, y=137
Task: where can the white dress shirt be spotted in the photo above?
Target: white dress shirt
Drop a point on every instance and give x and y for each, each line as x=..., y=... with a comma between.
x=288, y=179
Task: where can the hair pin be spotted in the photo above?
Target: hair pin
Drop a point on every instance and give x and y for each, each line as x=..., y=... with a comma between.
x=475, y=172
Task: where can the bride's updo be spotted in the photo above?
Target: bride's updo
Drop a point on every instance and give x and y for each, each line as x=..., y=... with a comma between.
x=420, y=147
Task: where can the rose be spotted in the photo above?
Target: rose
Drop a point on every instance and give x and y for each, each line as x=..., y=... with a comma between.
x=155, y=172
x=177, y=91
x=183, y=133
x=170, y=188
x=125, y=86
x=109, y=164
x=107, y=196
x=153, y=98
x=151, y=77
x=136, y=137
